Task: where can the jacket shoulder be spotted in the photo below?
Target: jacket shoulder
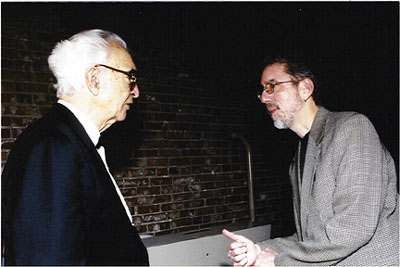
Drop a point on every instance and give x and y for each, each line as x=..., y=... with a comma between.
x=54, y=128
x=50, y=125
x=347, y=120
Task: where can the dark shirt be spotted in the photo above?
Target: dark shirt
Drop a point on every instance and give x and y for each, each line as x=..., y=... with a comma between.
x=303, y=150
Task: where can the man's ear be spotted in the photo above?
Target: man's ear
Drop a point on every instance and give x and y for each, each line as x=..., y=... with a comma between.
x=306, y=88
x=92, y=81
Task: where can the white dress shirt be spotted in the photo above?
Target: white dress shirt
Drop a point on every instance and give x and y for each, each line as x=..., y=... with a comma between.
x=94, y=135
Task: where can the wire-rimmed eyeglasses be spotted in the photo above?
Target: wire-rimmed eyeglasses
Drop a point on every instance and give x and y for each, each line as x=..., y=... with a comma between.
x=270, y=86
x=131, y=74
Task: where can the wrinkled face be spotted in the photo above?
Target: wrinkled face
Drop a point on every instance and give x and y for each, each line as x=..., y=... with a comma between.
x=117, y=95
x=284, y=103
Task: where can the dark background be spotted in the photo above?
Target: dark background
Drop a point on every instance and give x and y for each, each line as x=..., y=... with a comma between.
x=200, y=66
x=353, y=47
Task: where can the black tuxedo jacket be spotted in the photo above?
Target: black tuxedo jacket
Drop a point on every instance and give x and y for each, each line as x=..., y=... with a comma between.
x=59, y=205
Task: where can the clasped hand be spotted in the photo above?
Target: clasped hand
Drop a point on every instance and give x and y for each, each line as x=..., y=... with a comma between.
x=243, y=252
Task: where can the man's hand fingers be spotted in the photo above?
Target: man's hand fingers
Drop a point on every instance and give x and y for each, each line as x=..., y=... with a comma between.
x=235, y=237
x=242, y=251
x=243, y=262
x=229, y=235
x=239, y=251
x=235, y=245
x=238, y=258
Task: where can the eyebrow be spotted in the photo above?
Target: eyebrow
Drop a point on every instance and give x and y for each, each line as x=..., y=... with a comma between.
x=269, y=81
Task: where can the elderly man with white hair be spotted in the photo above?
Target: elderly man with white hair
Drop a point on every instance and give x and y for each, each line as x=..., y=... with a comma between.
x=60, y=204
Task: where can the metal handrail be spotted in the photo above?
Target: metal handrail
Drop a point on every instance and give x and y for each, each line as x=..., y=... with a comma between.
x=250, y=175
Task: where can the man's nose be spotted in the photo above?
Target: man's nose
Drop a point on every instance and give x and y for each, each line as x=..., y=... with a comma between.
x=265, y=97
x=135, y=92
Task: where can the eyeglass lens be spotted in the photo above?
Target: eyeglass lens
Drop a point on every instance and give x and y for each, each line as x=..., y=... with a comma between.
x=269, y=88
x=131, y=74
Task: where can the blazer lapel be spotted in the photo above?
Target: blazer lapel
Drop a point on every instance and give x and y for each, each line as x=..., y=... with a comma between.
x=312, y=156
x=295, y=181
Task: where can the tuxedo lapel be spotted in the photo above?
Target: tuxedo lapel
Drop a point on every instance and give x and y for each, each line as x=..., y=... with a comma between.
x=89, y=148
x=98, y=167
x=65, y=114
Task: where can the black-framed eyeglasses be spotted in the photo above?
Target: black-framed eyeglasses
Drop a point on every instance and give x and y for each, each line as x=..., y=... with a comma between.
x=132, y=75
x=270, y=86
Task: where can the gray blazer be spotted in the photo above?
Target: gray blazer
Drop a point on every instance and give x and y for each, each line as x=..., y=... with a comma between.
x=346, y=208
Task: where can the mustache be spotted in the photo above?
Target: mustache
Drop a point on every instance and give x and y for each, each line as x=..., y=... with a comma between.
x=271, y=106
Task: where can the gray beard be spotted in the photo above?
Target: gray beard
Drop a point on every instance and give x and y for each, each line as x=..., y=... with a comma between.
x=284, y=119
x=280, y=124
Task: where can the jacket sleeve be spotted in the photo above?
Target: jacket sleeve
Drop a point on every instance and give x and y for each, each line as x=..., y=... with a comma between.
x=48, y=220
x=357, y=167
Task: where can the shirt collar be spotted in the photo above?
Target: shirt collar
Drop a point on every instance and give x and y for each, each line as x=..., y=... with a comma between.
x=88, y=125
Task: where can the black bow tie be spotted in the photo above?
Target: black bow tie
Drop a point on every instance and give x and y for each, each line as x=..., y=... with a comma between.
x=101, y=142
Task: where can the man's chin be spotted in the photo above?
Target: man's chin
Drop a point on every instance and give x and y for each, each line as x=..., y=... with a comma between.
x=280, y=126
x=122, y=116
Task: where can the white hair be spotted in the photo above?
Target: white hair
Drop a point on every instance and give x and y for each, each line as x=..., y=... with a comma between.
x=70, y=58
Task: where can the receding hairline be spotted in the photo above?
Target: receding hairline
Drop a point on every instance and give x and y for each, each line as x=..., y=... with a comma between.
x=115, y=48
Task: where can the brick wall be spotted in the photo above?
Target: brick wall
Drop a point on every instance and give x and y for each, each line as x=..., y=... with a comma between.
x=173, y=158
x=187, y=171
x=26, y=90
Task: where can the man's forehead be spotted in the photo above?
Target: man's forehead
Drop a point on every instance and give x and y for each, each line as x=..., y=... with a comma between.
x=276, y=67
x=273, y=72
x=121, y=57
x=116, y=50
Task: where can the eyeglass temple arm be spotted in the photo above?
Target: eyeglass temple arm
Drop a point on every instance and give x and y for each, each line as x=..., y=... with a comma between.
x=125, y=72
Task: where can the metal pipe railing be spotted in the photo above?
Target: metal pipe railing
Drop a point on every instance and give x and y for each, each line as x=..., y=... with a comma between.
x=250, y=175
